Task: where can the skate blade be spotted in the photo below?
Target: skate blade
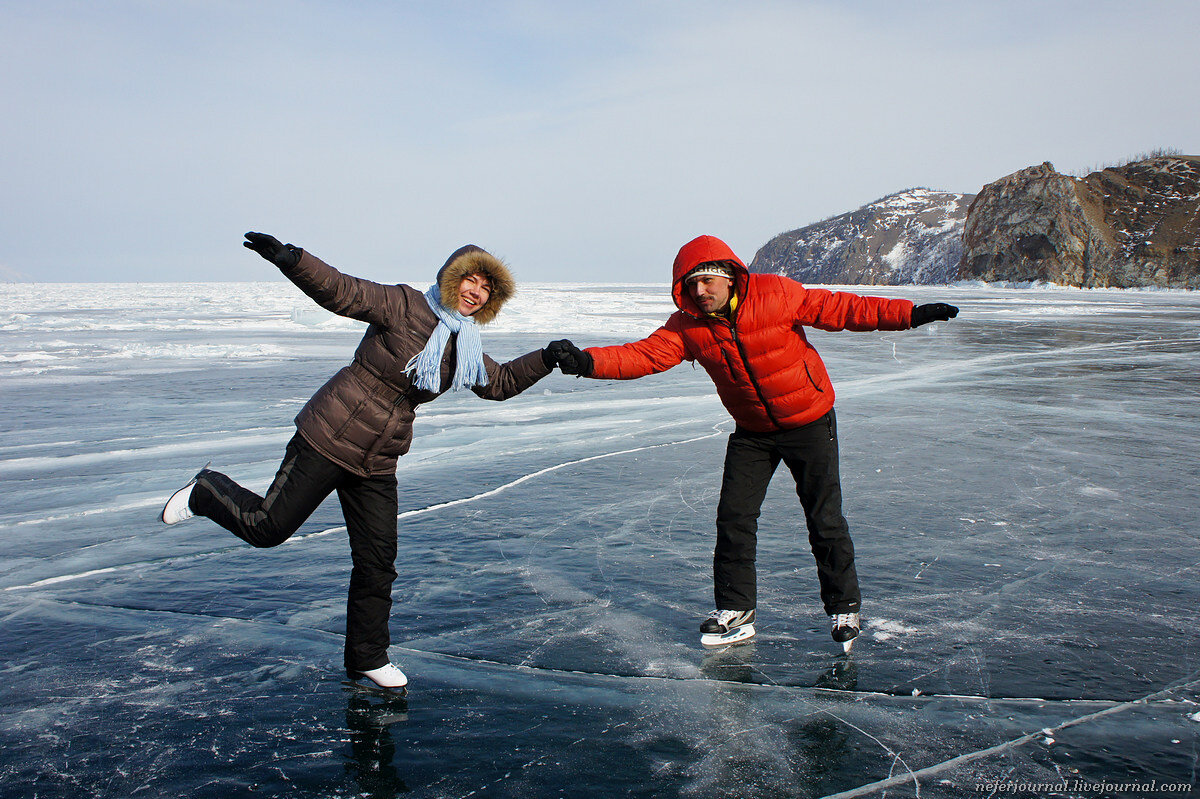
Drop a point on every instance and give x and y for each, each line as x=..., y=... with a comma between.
x=735, y=636
x=847, y=645
x=377, y=690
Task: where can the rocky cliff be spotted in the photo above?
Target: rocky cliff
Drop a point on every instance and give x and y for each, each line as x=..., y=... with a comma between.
x=913, y=236
x=1133, y=225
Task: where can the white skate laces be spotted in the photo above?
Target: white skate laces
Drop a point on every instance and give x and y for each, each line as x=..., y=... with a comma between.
x=176, y=510
x=726, y=620
x=844, y=626
x=725, y=627
x=723, y=617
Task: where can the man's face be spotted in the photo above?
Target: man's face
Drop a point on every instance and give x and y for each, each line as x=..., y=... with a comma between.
x=711, y=292
x=473, y=293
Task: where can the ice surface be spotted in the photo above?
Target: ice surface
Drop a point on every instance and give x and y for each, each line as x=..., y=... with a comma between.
x=1020, y=484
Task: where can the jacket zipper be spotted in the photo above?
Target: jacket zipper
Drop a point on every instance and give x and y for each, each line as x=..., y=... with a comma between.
x=753, y=380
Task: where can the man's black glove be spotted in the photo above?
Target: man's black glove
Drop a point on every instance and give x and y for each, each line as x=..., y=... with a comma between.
x=569, y=358
x=933, y=312
x=282, y=255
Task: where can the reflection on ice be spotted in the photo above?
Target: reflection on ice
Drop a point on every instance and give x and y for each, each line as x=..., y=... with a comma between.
x=1019, y=482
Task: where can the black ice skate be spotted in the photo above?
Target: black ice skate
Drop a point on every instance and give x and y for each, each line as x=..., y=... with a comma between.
x=727, y=627
x=844, y=627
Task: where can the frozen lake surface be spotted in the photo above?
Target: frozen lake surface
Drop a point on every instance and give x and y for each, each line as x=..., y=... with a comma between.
x=1020, y=485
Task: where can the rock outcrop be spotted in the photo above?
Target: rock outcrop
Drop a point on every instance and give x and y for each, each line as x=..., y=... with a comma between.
x=1128, y=226
x=913, y=236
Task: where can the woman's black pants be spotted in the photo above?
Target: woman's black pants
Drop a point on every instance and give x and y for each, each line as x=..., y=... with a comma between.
x=811, y=454
x=304, y=480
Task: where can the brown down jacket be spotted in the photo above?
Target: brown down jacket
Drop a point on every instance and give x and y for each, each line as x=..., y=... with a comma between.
x=362, y=417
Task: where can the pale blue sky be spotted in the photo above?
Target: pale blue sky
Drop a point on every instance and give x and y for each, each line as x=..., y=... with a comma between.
x=580, y=141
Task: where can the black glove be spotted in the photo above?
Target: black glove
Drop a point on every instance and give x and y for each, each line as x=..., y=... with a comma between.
x=933, y=312
x=569, y=358
x=282, y=255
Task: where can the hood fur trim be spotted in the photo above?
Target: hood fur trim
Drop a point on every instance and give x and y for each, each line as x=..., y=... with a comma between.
x=472, y=260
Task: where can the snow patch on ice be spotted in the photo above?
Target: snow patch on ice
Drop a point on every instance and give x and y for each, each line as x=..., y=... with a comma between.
x=885, y=629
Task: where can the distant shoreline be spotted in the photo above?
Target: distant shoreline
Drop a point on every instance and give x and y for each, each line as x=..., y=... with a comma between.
x=857, y=288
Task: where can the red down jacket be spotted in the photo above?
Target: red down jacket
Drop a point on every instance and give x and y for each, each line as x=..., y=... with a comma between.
x=766, y=372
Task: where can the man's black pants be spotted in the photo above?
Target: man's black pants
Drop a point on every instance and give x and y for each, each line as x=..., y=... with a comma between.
x=304, y=480
x=811, y=454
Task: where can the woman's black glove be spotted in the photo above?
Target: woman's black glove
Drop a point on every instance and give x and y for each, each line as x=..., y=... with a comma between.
x=933, y=312
x=285, y=256
x=569, y=358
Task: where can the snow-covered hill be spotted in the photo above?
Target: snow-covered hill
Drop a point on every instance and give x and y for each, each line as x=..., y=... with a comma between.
x=912, y=236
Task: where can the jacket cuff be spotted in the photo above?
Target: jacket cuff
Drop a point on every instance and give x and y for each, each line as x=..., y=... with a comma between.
x=535, y=363
x=290, y=269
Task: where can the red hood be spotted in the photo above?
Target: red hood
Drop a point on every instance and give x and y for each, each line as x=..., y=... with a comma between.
x=696, y=252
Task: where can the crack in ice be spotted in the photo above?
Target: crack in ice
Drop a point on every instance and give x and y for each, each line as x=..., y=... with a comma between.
x=929, y=771
x=341, y=528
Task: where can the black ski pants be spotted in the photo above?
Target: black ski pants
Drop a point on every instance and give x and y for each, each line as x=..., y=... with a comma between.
x=811, y=454
x=369, y=506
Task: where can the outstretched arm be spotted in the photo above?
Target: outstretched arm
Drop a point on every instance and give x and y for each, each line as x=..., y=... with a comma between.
x=334, y=291
x=841, y=310
x=510, y=379
x=658, y=352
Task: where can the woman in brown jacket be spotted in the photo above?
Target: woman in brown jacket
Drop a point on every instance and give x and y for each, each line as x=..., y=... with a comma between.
x=350, y=434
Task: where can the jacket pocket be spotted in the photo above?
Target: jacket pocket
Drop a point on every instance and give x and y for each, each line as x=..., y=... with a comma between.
x=810, y=378
x=354, y=414
x=730, y=363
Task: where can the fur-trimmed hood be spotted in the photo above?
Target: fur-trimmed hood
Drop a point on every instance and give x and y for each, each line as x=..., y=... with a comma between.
x=472, y=260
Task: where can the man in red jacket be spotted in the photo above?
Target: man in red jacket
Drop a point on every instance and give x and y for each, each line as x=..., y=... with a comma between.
x=747, y=331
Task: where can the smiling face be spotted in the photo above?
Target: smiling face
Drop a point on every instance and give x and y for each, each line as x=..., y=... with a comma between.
x=473, y=293
x=711, y=292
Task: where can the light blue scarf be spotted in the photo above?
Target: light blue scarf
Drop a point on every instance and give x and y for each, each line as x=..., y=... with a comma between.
x=469, y=371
